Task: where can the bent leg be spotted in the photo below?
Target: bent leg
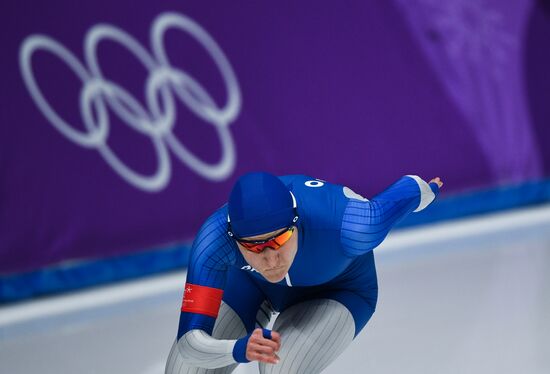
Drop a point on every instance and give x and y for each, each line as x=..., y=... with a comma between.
x=228, y=326
x=313, y=334
x=239, y=312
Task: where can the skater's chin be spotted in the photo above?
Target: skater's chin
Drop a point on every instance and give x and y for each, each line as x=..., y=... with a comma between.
x=274, y=275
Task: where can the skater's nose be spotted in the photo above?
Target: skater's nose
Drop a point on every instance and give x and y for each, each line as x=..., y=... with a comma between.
x=271, y=258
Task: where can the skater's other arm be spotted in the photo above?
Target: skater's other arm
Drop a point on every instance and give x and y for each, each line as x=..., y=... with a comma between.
x=366, y=223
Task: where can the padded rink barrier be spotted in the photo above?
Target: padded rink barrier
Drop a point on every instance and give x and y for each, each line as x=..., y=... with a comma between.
x=469, y=296
x=75, y=275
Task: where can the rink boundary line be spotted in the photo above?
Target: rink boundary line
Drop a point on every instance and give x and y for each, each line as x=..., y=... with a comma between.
x=90, y=299
x=455, y=229
x=396, y=242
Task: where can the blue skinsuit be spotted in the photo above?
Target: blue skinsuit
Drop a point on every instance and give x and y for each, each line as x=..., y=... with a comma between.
x=337, y=231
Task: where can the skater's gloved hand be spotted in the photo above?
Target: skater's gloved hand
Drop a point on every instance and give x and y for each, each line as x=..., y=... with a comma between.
x=262, y=345
x=437, y=181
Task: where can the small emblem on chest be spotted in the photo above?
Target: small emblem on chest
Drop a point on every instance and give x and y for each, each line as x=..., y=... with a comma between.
x=248, y=267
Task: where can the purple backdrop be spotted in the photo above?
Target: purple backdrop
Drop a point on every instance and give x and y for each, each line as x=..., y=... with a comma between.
x=123, y=126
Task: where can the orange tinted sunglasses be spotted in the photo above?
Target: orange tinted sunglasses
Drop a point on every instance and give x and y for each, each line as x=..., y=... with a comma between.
x=275, y=242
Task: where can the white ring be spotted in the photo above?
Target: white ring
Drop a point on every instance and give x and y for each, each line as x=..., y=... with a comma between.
x=155, y=121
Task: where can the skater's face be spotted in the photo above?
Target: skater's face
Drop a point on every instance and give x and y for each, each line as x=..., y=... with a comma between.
x=272, y=264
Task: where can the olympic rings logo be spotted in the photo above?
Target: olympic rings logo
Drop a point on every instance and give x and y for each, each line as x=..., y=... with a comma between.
x=163, y=85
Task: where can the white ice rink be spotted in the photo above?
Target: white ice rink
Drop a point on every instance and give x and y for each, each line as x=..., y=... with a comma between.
x=469, y=296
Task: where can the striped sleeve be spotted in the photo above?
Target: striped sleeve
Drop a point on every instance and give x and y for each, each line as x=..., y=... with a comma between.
x=197, y=348
x=365, y=224
x=211, y=255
